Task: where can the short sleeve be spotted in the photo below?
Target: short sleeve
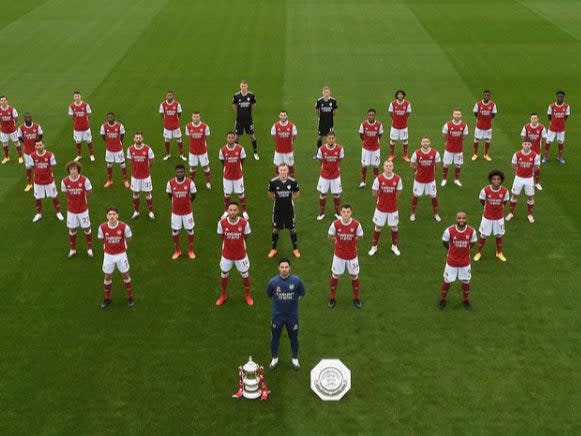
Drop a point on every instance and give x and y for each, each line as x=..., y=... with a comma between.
x=446, y=236
x=102, y=129
x=168, y=188
x=128, y=233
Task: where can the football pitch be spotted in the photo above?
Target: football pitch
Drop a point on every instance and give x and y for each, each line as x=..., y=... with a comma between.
x=169, y=366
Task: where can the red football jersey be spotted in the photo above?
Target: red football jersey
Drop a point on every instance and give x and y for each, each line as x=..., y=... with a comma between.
x=29, y=135
x=171, y=114
x=558, y=114
x=535, y=134
x=8, y=117
x=198, y=137
x=283, y=136
x=455, y=134
x=232, y=159
x=346, y=234
x=80, y=114
x=76, y=193
x=141, y=159
x=181, y=203
x=114, y=238
x=399, y=113
x=484, y=113
x=43, y=165
x=330, y=161
x=371, y=134
x=525, y=163
x=233, y=237
x=425, y=165
x=112, y=134
x=387, y=192
x=459, y=248
x=494, y=202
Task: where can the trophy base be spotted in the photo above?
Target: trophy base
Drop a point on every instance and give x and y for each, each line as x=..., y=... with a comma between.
x=251, y=395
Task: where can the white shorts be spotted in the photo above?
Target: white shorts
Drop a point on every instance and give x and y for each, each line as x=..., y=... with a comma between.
x=334, y=185
x=338, y=266
x=242, y=265
x=45, y=191
x=491, y=227
x=182, y=221
x=28, y=162
x=13, y=137
x=428, y=189
x=169, y=134
x=453, y=273
x=453, y=158
x=82, y=136
x=485, y=135
x=398, y=134
x=233, y=186
x=112, y=157
x=380, y=219
x=370, y=158
x=81, y=220
x=141, y=185
x=559, y=136
x=199, y=159
x=110, y=261
x=527, y=183
x=284, y=158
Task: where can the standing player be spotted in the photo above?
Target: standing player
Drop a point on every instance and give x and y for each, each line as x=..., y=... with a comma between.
x=454, y=132
x=330, y=156
x=423, y=162
x=77, y=189
x=386, y=189
x=537, y=134
x=42, y=163
x=558, y=112
x=370, y=132
x=28, y=133
x=170, y=111
x=325, y=107
x=115, y=235
x=458, y=240
x=234, y=230
x=524, y=163
x=399, y=110
x=141, y=157
x=493, y=197
x=8, y=119
x=484, y=111
x=113, y=133
x=284, y=190
x=284, y=133
x=80, y=111
x=345, y=233
x=198, y=131
x=232, y=156
x=244, y=103
x=181, y=191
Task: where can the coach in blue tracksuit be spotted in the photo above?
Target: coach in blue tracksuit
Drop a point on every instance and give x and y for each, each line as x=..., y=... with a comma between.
x=285, y=289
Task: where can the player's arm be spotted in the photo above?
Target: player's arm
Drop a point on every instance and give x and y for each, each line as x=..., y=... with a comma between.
x=336, y=108
x=482, y=197
x=192, y=196
x=234, y=103
x=161, y=111
x=361, y=132
x=179, y=111
x=102, y=133
x=514, y=163
x=271, y=195
x=374, y=193
x=296, y=195
x=549, y=113
x=446, y=244
x=128, y=234
x=332, y=233
x=475, y=110
x=380, y=133
x=269, y=289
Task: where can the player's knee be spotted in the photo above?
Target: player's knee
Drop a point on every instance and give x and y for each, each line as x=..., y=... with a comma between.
x=394, y=229
x=72, y=232
x=174, y=232
x=190, y=232
x=274, y=230
x=87, y=231
x=354, y=276
x=148, y=196
x=224, y=274
x=244, y=274
x=322, y=196
x=135, y=195
x=108, y=278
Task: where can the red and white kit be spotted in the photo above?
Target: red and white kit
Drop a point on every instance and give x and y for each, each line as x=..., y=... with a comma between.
x=525, y=168
x=370, y=147
x=386, y=211
x=77, y=205
x=198, y=144
x=81, y=125
x=233, y=178
x=113, y=145
x=454, y=136
x=29, y=135
x=181, y=203
x=284, y=135
x=536, y=134
x=330, y=178
x=43, y=164
x=558, y=114
x=425, y=176
x=492, y=222
x=234, y=236
x=345, y=254
x=400, y=113
x=115, y=246
x=8, y=116
x=484, y=114
x=458, y=258
x=171, y=119
x=141, y=159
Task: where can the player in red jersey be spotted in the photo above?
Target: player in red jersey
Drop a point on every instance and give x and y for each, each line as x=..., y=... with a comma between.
x=493, y=197
x=400, y=110
x=537, y=134
x=80, y=111
x=524, y=163
x=370, y=132
x=113, y=132
x=232, y=156
x=233, y=231
x=423, y=162
x=77, y=189
x=182, y=192
x=170, y=111
x=198, y=132
x=558, y=112
x=115, y=235
x=454, y=132
x=8, y=119
x=345, y=233
x=42, y=163
x=284, y=133
x=330, y=156
x=484, y=111
x=28, y=133
x=141, y=157
x=458, y=240
x=386, y=190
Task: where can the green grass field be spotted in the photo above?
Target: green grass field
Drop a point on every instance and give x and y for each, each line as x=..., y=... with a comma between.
x=170, y=365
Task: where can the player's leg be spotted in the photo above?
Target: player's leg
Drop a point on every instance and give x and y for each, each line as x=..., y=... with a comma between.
x=225, y=267
x=432, y=191
x=551, y=136
x=228, y=187
x=239, y=189
x=51, y=192
x=78, y=141
x=365, y=162
x=5, y=147
x=147, y=189
x=88, y=138
x=289, y=159
x=517, y=187
x=457, y=171
x=477, y=138
x=323, y=187
x=294, y=240
x=107, y=284
x=243, y=267
x=72, y=236
x=392, y=139
x=530, y=194
x=466, y=294
x=250, y=131
x=337, y=269
x=485, y=231
x=560, y=145
x=207, y=174
x=189, y=224
x=167, y=143
x=128, y=287
x=379, y=219
x=292, y=329
x=537, y=176
x=487, y=141
x=393, y=222
x=450, y=276
x=14, y=138
x=355, y=290
x=274, y=238
x=275, y=333
x=176, y=225
x=404, y=143
x=39, y=194
x=498, y=230
x=193, y=162
x=177, y=134
x=109, y=181
x=336, y=190
x=86, y=226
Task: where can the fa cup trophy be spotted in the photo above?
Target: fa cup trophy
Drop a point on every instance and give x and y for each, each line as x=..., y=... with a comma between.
x=251, y=381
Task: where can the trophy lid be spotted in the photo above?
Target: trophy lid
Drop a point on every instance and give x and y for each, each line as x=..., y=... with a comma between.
x=251, y=365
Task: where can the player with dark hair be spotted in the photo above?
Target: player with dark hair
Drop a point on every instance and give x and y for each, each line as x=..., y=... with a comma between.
x=28, y=133
x=558, y=113
x=141, y=157
x=181, y=191
x=325, y=107
x=77, y=188
x=170, y=111
x=400, y=110
x=524, y=163
x=42, y=162
x=537, y=134
x=284, y=133
x=244, y=103
x=232, y=155
x=8, y=119
x=484, y=111
x=370, y=133
x=113, y=132
x=80, y=112
x=331, y=154
x=423, y=163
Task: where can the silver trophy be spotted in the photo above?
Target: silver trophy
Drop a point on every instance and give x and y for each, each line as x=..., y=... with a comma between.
x=251, y=381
